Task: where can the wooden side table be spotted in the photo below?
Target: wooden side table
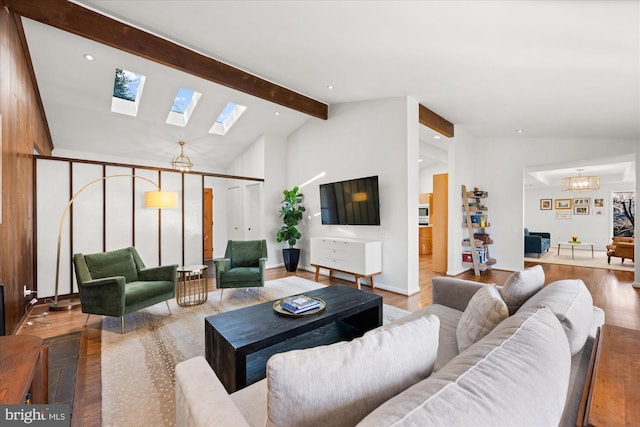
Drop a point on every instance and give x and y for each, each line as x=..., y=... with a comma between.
x=613, y=399
x=192, y=285
x=24, y=365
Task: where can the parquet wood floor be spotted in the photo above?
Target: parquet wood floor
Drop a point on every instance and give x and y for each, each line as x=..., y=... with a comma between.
x=611, y=290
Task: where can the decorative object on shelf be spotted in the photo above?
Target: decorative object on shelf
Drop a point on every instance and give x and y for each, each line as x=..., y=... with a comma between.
x=154, y=200
x=561, y=204
x=574, y=239
x=581, y=183
x=291, y=210
x=545, y=204
x=181, y=162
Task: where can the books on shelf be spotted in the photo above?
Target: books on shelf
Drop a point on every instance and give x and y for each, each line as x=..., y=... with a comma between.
x=299, y=304
x=481, y=220
x=483, y=255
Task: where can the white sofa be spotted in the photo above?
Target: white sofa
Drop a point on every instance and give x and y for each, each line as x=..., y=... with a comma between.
x=530, y=369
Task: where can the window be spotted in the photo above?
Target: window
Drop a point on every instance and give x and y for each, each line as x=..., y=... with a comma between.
x=183, y=106
x=227, y=118
x=127, y=91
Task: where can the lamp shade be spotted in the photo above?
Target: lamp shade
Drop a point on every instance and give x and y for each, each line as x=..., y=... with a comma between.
x=161, y=199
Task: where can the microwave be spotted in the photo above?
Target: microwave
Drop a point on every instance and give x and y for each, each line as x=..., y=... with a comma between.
x=423, y=214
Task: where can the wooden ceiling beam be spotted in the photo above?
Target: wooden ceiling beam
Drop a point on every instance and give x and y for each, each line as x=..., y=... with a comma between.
x=94, y=26
x=434, y=121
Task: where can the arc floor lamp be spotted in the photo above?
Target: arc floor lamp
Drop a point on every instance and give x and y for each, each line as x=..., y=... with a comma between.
x=153, y=199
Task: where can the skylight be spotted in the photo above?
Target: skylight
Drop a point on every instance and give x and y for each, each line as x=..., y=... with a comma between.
x=183, y=105
x=227, y=118
x=127, y=91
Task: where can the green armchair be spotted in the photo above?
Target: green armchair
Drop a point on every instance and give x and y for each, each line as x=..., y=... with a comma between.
x=117, y=283
x=242, y=265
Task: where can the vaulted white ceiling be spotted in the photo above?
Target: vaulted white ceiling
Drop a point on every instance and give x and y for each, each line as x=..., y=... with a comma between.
x=557, y=69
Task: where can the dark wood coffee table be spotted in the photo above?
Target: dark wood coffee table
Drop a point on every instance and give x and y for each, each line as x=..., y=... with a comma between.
x=238, y=343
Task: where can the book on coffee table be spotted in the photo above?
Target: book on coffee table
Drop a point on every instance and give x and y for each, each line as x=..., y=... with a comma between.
x=299, y=304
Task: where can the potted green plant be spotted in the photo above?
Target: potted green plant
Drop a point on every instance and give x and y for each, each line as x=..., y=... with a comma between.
x=291, y=211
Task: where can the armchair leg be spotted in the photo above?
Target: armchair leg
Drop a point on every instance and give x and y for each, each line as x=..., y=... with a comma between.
x=168, y=308
x=87, y=321
x=221, y=291
x=258, y=292
x=122, y=325
x=609, y=260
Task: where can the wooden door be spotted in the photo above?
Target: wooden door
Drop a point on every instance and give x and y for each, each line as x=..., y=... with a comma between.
x=439, y=219
x=207, y=223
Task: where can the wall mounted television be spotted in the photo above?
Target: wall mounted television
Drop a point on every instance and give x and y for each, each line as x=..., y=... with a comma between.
x=351, y=202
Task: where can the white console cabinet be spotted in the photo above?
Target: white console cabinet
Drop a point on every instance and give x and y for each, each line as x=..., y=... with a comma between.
x=362, y=258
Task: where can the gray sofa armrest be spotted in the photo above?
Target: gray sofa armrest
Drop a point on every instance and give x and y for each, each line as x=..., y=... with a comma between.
x=201, y=399
x=454, y=293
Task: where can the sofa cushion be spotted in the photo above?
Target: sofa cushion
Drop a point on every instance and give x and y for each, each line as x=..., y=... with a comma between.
x=111, y=264
x=517, y=375
x=520, y=285
x=339, y=384
x=484, y=311
x=571, y=302
x=447, y=341
x=136, y=292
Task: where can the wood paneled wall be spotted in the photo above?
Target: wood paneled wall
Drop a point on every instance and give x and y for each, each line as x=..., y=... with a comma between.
x=24, y=129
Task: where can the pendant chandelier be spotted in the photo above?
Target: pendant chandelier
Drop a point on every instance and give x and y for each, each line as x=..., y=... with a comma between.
x=581, y=183
x=182, y=163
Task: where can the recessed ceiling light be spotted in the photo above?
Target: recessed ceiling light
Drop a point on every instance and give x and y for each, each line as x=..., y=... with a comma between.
x=330, y=87
x=419, y=160
x=88, y=57
x=277, y=113
x=520, y=130
x=436, y=137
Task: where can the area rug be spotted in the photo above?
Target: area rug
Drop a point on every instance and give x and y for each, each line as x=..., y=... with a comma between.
x=582, y=258
x=138, y=368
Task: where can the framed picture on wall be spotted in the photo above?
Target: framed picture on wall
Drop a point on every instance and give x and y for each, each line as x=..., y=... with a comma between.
x=563, y=215
x=581, y=210
x=598, y=203
x=545, y=204
x=582, y=201
x=563, y=204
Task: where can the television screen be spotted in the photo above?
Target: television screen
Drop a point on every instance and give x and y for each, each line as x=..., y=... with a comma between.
x=352, y=202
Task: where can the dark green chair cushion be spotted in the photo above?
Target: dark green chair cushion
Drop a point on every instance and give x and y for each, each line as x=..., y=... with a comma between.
x=241, y=274
x=112, y=264
x=136, y=292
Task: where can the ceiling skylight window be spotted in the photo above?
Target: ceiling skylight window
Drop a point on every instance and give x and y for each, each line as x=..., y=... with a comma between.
x=227, y=118
x=183, y=105
x=127, y=91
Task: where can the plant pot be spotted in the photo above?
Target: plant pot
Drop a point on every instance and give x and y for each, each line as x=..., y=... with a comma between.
x=291, y=256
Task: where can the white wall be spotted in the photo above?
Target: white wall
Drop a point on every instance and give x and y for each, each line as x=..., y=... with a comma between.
x=378, y=137
x=499, y=166
x=425, y=184
x=589, y=228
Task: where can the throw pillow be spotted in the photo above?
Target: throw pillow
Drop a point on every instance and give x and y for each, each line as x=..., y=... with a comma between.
x=571, y=302
x=521, y=285
x=339, y=384
x=484, y=311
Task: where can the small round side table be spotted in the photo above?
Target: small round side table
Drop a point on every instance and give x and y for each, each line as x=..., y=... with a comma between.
x=192, y=285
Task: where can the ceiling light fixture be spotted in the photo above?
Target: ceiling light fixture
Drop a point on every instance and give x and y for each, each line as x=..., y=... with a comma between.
x=277, y=113
x=520, y=130
x=182, y=163
x=436, y=137
x=581, y=183
x=330, y=87
x=88, y=57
